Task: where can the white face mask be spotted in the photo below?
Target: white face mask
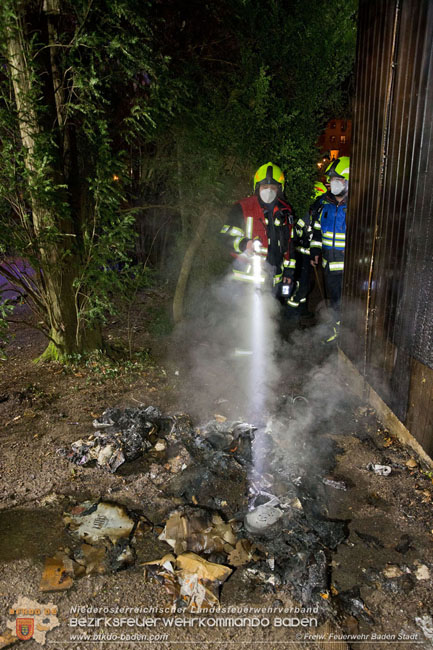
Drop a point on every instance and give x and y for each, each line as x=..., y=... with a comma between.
x=338, y=186
x=268, y=196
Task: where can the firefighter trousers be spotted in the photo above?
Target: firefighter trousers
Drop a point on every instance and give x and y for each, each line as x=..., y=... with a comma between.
x=334, y=287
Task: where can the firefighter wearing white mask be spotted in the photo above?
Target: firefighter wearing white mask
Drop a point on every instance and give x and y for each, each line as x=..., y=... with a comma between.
x=329, y=236
x=263, y=223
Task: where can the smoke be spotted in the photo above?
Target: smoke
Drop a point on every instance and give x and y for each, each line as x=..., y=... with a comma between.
x=228, y=352
x=313, y=397
x=237, y=364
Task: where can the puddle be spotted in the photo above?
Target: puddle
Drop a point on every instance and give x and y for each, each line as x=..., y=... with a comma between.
x=33, y=533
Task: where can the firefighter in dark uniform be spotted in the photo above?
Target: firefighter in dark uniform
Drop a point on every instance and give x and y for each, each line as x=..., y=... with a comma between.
x=303, y=237
x=329, y=236
x=263, y=224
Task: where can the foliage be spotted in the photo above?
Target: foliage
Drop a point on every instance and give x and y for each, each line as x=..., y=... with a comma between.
x=74, y=170
x=259, y=84
x=160, y=322
x=97, y=368
x=6, y=309
x=170, y=101
x=293, y=62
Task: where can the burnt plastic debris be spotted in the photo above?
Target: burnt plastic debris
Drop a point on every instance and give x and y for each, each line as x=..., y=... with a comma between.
x=332, y=532
x=334, y=483
x=382, y=470
x=316, y=580
x=263, y=519
x=234, y=438
x=301, y=540
x=101, y=536
x=351, y=602
x=295, y=559
x=124, y=419
x=224, y=480
x=225, y=500
x=122, y=435
x=94, y=522
x=105, y=530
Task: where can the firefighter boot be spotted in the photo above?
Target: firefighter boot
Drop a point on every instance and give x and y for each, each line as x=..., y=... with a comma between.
x=332, y=338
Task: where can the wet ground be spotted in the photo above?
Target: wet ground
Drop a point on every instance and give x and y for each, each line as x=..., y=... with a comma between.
x=378, y=578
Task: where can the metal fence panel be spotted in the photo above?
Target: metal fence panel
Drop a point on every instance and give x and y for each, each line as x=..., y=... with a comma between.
x=388, y=283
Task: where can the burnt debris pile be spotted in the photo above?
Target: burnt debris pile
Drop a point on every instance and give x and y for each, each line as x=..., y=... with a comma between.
x=273, y=526
x=121, y=436
x=101, y=535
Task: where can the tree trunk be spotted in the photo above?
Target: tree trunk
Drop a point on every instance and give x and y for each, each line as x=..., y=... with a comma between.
x=59, y=258
x=185, y=270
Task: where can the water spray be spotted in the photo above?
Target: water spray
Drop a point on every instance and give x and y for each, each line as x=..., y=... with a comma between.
x=259, y=353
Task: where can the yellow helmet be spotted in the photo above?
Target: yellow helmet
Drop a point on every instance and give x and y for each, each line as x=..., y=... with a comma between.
x=269, y=174
x=339, y=167
x=319, y=190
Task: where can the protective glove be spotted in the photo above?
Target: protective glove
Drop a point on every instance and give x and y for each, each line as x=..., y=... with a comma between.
x=258, y=248
x=254, y=246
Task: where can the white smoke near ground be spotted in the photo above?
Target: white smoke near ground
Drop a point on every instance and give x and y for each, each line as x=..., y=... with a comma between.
x=239, y=366
x=314, y=394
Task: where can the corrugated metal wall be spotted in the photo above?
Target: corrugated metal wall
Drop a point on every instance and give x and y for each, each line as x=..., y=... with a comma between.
x=388, y=282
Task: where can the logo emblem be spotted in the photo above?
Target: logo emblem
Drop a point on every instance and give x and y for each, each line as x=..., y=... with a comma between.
x=25, y=628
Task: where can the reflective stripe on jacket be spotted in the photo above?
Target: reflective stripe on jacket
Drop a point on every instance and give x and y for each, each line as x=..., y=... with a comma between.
x=329, y=236
x=333, y=225
x=274, y=231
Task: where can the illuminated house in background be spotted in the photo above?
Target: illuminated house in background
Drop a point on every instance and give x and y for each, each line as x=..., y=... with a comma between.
x=336, y=139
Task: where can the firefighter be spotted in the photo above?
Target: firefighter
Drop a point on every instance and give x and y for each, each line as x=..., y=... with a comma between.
x=329, y=236
x=263, y=223
x=303, y=237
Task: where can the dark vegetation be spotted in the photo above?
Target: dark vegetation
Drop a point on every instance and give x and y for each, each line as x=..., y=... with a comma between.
x=126, y=128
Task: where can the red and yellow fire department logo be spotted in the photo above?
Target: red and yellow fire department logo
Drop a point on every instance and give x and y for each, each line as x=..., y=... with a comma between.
x=33, y=620
x=25, y=628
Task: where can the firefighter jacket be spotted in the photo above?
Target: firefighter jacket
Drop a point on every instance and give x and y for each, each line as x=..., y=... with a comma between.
x=304, y=229
x=272, y=225
x=329, y=233
x=303, y=234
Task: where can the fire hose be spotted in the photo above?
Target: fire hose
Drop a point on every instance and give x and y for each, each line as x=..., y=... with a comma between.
x=319, y=284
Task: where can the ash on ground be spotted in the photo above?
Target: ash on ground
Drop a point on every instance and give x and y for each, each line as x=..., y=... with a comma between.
x=209, y=472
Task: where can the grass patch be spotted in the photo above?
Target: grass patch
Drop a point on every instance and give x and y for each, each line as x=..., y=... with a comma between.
x=98, y=367
x=160, y=321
